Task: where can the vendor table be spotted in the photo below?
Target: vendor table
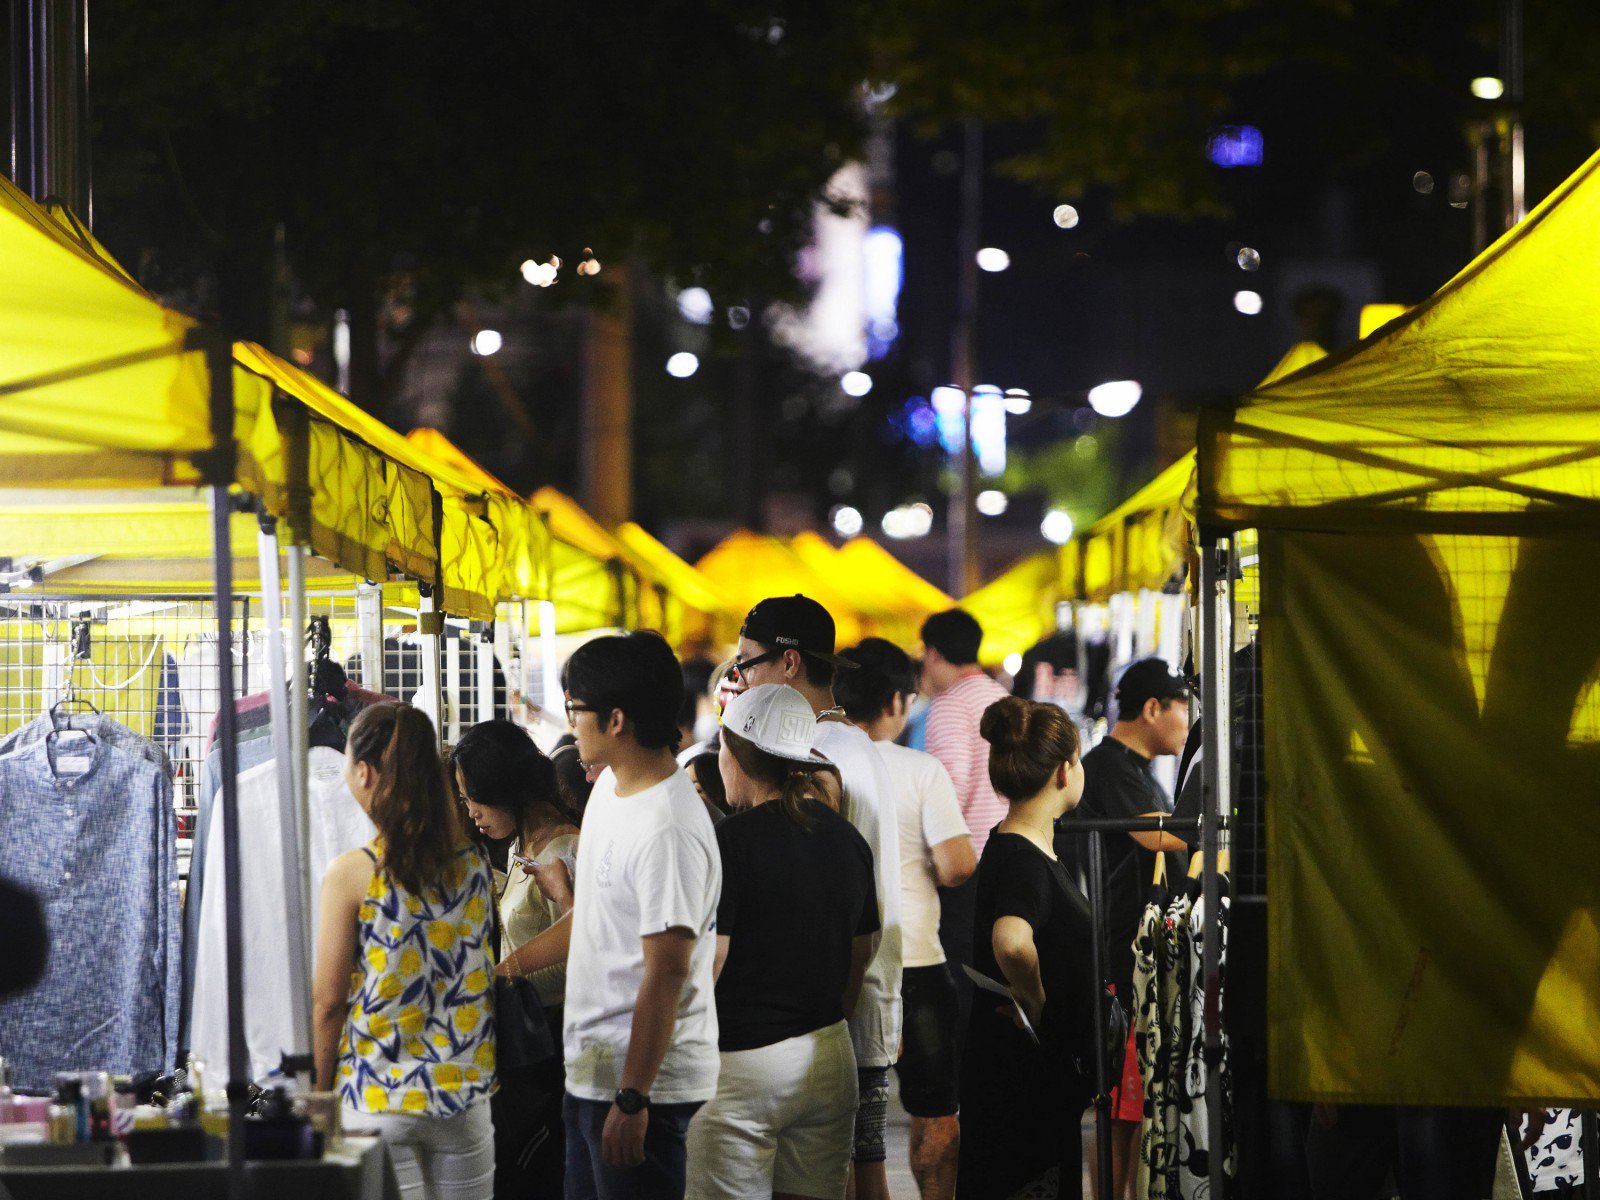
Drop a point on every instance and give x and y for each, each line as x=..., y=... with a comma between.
x=358, y=1170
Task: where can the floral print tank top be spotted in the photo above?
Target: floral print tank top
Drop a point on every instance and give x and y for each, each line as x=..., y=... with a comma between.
x=420, y=1037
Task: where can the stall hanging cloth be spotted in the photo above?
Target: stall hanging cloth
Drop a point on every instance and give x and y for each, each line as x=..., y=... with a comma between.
x=89, y=828
x=1169, y=1024
x=1433, y=762
x=337, y=825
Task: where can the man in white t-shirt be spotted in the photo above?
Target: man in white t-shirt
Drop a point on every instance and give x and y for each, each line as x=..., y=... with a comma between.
x=789, y=639
x=641, y=1019
x=935, y=851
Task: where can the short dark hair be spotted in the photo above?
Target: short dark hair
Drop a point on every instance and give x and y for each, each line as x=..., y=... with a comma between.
x=636, y=674
x=573, y=780
x=708, y=772
x=504, y=769
x=955, y=634
x=884, y=671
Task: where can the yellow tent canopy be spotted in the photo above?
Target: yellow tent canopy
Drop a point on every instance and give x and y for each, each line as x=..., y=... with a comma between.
x=1017, y=608
x=749, y=567
x=593, y=581
x=912, y=595
x=1427, y=504
x=1475, y=410
x=375, y=489
x=524, y=538
x=707, y=613
x=81, y=338
x=891, y=599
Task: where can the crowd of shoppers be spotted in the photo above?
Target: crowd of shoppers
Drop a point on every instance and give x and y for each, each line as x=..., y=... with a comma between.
x=732, y=948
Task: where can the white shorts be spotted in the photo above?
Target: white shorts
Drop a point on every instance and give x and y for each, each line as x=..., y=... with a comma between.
x=436, y=1158
x=783, y=1120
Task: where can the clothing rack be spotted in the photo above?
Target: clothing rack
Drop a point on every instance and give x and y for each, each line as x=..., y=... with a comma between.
x=1097, y=916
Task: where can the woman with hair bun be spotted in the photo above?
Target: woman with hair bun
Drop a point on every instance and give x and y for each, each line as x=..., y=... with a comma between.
x=404, y=1009
x=1022, y=1102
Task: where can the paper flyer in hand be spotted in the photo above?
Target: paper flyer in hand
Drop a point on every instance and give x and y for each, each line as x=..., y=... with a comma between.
x=1000, y=989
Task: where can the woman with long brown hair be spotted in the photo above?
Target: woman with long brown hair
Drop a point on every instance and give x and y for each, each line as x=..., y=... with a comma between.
x=796, y=928
x=1024, y=1085
x=403, y=992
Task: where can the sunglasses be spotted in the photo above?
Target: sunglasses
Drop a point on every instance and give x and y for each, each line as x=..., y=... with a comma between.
x=742, y=665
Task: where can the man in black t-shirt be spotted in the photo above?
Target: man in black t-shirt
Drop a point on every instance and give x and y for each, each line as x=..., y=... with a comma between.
x=1152, y=719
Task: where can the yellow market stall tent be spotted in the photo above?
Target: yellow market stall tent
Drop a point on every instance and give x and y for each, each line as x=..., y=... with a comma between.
x=101, y=387
x=749, y=567
x=702, y=613
x=1429, y=507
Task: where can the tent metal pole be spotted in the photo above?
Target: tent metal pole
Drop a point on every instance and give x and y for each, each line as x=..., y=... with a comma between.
x=219, y=361
x=430, y=624
x=299, y=884
x=553, y=694
x=1102, y=1082
x=450, y=731
x=369, y=622
x=484, y=648
x=1216, y=650
x=283, y=759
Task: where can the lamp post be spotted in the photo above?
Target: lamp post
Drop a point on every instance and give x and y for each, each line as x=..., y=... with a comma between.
x=961, y=517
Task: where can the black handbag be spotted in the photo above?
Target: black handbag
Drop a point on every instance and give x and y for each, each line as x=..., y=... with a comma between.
x=522, y=1031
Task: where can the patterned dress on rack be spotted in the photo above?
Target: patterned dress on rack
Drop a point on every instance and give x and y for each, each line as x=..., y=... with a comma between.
x=1174, y=988
x=1146, y=1000
x=1194, y=1159
x=1555, y=1161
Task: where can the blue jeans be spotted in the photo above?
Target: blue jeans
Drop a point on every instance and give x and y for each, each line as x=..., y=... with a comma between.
x=659, y=1177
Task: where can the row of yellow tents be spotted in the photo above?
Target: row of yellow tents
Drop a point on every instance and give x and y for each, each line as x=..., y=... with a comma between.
x=113, y=408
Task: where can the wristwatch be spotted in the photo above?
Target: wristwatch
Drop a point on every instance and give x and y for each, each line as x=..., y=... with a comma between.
x=631, y=1101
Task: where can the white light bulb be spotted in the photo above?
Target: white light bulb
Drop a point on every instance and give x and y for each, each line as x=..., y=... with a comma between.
x=1487, y=87
x=856, y=383
x=1066, y=217
x=695, y=306
x=993, y=259
x=1115, y=399
x=1247, y=302
x=486, y=342
x=1012, y=664
x=682, y=365
x=1057, y=526
x=847, y=520
x=992, y=503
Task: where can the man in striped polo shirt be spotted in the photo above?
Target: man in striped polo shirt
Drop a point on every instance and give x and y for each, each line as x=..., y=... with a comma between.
x=959, y=691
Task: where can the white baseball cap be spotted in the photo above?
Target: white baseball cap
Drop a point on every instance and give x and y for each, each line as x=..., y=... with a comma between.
x=775, y=718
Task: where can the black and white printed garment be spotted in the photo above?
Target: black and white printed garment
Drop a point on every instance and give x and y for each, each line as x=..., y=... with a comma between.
x=1193, y=1149
x=1149, y=1044
x=1555, y=1162
x=1173, y=962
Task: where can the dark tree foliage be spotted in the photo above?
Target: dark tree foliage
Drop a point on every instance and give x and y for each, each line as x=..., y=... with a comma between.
x=414, y=151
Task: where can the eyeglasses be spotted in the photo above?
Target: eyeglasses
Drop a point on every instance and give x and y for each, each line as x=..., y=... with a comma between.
x=574, y=708
x=741, y=666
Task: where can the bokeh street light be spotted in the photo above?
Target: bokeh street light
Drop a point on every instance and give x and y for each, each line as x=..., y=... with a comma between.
x=1115, y=399
x=1057, y=526
x=993, y=259
x=856, y=383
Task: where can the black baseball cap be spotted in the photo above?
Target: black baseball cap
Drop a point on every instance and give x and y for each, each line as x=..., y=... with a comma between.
x=1148, y=679
x=794, y=623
